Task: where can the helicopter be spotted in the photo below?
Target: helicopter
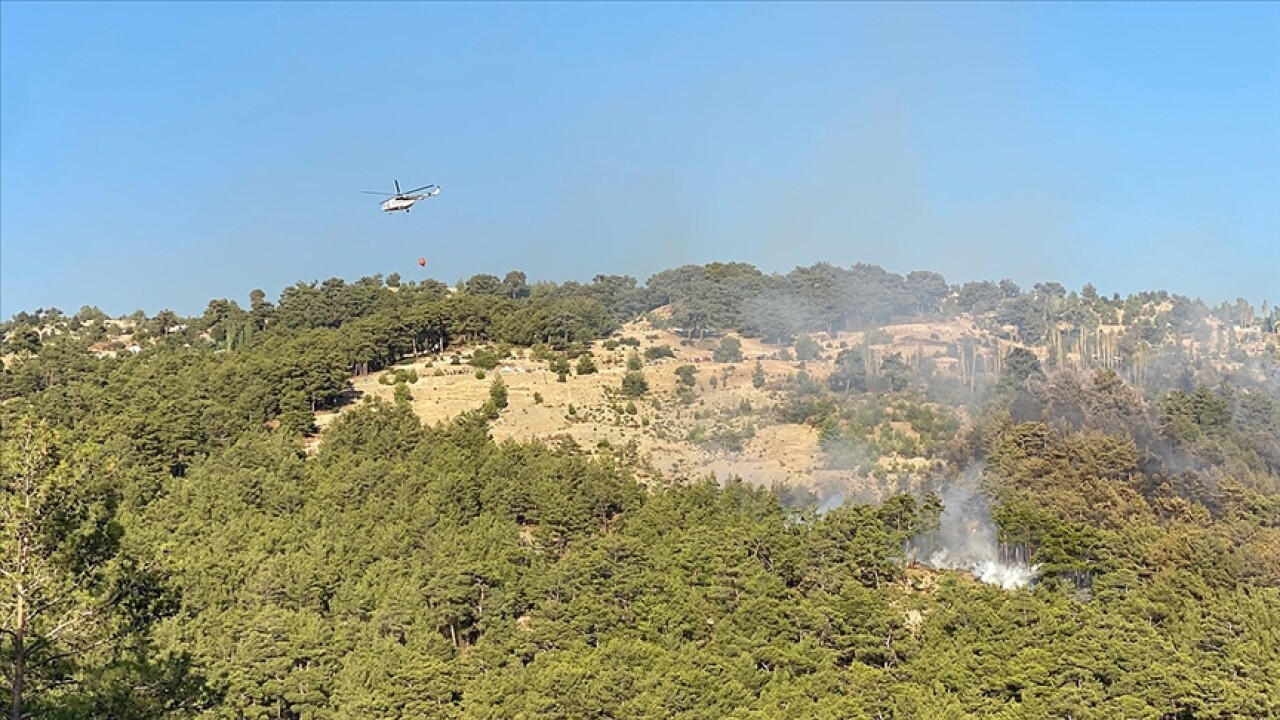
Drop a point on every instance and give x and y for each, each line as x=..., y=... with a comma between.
x=404, y=200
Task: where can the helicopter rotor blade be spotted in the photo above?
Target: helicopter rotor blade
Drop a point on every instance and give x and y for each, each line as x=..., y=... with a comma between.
x=424, y=187
x=375, y=192
x=398, y=188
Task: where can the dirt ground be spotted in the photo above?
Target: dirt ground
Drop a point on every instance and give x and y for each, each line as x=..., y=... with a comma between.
x=660, y=426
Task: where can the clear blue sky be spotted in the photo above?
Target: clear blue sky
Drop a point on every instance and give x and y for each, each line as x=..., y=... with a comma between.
x=159, y=155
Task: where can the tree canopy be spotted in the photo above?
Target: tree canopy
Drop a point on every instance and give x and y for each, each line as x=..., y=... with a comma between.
x=170, y=549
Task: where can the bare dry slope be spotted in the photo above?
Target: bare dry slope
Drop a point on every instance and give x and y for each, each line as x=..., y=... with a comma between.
x=671, y=437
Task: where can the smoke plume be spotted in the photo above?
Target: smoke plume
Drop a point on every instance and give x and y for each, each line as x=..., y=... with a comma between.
x=966, y=540
x=831, y=503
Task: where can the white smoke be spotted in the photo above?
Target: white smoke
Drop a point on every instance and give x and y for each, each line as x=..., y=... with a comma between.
x=1007, y=576
x=966, y=540
x=831, y=503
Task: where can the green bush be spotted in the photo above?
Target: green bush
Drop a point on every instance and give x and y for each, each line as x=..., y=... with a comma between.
x=484, y=358
x=399, y=375
x=807, y=348
x=498, y=392
x=658, y=351
x=402, y=395
x=634, y=384
x=684, y=375
x=560, y=366
x=729, y=351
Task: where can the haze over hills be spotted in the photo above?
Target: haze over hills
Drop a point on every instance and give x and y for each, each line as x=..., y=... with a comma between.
x=838, y=492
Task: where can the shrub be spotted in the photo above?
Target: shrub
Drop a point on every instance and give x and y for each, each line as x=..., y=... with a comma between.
x=807, y=348
x=685, y=373
x=401, y=375
x=659, y=351
x=634, y=384
x=402, y=395
x=729, y=351
x=560, y=366
x=498, y=392
x=484, y=358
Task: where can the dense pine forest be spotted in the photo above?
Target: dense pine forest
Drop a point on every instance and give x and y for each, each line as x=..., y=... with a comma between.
x=181, y=539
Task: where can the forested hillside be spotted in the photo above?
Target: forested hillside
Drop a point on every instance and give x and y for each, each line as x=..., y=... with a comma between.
x=181, y=539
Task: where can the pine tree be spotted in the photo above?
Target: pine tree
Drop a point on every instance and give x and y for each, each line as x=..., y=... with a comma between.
x=498, y=392
x=63, y=586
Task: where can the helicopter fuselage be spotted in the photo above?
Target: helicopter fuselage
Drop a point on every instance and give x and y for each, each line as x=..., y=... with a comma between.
x=400, y=203
x=404, y=202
